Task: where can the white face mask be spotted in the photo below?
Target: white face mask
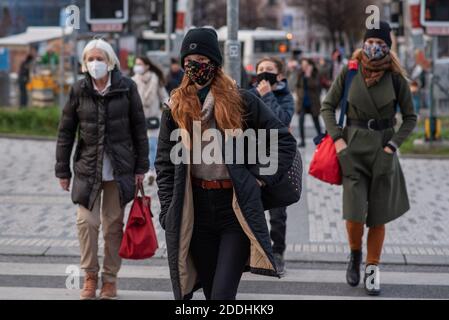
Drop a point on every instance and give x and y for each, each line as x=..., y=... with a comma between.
x=97, y=69
x=139, y=69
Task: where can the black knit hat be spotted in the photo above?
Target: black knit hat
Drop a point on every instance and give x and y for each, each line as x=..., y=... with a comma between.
x=382, y=33
x=202, y=41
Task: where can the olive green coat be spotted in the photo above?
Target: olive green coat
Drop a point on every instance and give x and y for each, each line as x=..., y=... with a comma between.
x=374, y=189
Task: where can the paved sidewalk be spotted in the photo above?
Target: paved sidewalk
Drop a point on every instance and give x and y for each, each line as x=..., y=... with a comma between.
x=37, y=218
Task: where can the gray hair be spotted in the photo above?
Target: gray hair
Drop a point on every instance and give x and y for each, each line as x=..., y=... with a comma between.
x=111, y=58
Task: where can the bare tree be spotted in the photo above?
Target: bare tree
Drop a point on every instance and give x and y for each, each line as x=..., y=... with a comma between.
x=253, y=14
x=339, y=17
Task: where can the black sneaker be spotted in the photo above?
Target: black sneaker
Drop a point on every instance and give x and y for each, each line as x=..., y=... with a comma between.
x=280, y=263
x=353, y=270
x=302, y=144
x=372, y=280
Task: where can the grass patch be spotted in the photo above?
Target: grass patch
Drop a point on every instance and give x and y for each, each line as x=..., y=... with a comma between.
x=42, y=122
x=409, y=148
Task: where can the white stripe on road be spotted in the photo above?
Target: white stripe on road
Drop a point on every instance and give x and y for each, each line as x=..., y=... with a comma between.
x=293, y=275
x=25, y=293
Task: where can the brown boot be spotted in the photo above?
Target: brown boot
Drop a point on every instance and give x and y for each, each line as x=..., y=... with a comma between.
x=108, y=291
x=89, y=291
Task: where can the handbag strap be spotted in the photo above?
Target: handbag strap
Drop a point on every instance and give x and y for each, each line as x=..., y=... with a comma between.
x=139, y=187
x=353, y=69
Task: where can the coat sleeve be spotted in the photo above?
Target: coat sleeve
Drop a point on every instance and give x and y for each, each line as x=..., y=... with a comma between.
x=408, y=113
x=165, y=168
x=138, y=130
x=262, y=117
x=331, y=103
x=282, y=109
x=68, y=126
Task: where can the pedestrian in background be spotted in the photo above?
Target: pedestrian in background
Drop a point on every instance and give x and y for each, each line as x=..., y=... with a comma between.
x=110, y=159
x=272, y=88
x=337, y=63
x=174, y=76
x=374, y=189
x=213, y=213
x=24, y=78
x=151, y=86
x=308, y=90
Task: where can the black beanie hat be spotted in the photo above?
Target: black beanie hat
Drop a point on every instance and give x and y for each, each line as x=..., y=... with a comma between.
x=382, y=33
x=202, y=41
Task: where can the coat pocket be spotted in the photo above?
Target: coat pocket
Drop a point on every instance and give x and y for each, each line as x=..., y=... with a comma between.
x=385, y=163
x=346, y=164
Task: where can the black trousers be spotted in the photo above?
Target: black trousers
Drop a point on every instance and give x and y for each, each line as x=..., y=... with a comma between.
x=278, y=220
x=220, y=248
x=316, y=122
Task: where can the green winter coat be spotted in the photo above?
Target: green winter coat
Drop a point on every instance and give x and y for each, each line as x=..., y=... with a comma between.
x=374, y=189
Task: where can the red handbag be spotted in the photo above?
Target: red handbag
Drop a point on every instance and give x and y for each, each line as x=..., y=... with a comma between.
x=139, y=239
x=325, y=165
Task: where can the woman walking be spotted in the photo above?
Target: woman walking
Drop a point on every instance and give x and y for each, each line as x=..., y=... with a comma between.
x=374, y=190
x=212, y=213
x=308, y=91
x=273, y=89
x=150, y=84
x=111, y=157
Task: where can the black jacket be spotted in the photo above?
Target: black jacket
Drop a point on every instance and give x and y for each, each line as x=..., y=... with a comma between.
x=114, y=124
x=171, y=180
x=280, y=101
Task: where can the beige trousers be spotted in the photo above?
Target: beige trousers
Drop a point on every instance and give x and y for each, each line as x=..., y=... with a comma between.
x=108, y=213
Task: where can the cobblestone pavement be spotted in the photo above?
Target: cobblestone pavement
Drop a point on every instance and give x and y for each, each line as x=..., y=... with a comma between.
x=38, y=218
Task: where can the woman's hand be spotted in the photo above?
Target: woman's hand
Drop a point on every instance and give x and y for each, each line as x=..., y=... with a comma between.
x=263, y=87
x=139, y=179
x=340, y=145
x=65, y=184
x=388, y=150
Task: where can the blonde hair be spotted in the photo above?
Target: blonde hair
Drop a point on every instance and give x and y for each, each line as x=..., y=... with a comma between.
x=396, y=66
x=111, y=58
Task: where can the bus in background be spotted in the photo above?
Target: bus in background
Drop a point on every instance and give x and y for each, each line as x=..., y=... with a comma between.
x=259, y=43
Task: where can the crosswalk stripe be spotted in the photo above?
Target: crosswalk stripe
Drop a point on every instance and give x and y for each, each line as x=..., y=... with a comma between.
x=293, y=275
x=26, y=293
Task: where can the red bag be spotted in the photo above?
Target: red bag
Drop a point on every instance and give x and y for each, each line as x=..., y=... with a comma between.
x=139, y=239
x=325, y=165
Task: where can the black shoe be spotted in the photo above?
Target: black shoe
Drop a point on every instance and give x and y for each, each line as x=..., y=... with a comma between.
x=372, y=280
x=302, y=144
x=353, y=270
x=280, y=263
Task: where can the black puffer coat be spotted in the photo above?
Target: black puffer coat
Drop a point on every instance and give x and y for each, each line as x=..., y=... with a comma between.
x=175, y=195
x=114, y=124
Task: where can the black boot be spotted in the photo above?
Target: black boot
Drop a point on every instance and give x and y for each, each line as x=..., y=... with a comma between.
x=280, y=263
x=372, y=280
x=353, y=271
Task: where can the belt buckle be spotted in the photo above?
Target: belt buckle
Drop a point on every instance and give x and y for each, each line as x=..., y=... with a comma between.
x=371, y=121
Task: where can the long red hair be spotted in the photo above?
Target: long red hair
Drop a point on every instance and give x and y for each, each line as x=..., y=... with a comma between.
x=228, y=107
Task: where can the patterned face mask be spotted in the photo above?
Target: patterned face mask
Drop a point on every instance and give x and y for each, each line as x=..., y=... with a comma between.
x=375, y=51
x=200, y=73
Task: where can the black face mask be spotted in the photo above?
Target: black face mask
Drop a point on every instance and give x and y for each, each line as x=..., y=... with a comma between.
x=268, y=76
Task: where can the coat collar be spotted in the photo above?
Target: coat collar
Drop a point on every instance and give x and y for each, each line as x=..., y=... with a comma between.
x=117, y=83
x=371, y=100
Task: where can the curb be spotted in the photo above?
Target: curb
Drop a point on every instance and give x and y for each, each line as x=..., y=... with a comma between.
x=424, y=156
x=25, y=137
x=295, y=257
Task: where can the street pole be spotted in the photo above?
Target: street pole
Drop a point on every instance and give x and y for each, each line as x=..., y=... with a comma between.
x=168, y=25
x=232, y=44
